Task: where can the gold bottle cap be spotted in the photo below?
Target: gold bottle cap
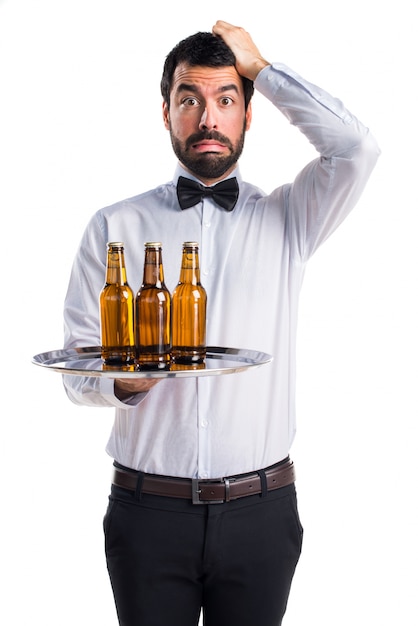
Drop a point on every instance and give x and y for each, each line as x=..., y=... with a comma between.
x=191, y=244
x=115, y=244
x=153, y=244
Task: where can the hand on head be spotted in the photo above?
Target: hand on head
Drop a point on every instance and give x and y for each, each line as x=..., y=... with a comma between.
x=249, y=61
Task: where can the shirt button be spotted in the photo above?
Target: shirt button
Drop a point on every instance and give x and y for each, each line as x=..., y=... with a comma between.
x=207, y=224
x=204, y=423
x=204, y=475
x=206, y=272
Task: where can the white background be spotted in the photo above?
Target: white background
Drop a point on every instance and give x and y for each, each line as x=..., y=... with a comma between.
x=81, y=127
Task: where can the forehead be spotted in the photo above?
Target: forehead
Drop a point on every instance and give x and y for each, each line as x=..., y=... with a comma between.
x=203, y=78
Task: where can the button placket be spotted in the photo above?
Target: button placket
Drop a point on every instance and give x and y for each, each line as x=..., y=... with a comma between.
x=203, y=386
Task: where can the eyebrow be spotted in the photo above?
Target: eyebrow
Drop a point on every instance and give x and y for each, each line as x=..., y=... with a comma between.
x=194, y=89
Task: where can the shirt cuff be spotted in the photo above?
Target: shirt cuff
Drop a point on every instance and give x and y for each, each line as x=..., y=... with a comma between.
x=107, y=389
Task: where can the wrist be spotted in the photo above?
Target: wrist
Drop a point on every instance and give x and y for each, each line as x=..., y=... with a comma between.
x=256, y=67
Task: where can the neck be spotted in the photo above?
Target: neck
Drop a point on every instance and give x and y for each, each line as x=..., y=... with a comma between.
x=209, y=181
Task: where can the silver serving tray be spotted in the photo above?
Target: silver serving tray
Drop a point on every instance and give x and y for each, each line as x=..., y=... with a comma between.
x=88, y=362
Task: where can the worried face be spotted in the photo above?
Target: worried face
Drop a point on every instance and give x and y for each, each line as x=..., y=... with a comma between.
x=207, y=119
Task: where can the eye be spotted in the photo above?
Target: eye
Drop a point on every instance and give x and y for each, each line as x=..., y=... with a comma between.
x=190, y=101
x=226, y=101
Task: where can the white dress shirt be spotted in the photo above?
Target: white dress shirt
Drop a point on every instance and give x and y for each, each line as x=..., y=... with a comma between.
x=252, y=264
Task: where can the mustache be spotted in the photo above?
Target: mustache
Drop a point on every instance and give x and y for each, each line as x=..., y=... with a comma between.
x=212, y=135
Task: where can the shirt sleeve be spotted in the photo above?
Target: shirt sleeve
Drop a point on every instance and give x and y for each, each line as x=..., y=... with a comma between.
x=82, y=318
x=326, y=190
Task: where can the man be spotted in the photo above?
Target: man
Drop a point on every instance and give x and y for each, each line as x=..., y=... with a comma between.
x=177, y=543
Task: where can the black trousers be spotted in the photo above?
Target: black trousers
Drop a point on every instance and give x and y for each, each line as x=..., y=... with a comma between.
x=169, y=559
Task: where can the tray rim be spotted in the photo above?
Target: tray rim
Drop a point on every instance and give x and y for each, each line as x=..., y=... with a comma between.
x=234, y=360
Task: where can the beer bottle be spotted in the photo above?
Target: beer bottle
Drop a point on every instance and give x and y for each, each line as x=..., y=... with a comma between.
x=117, y=310
x=189, y=310
x=153, y=313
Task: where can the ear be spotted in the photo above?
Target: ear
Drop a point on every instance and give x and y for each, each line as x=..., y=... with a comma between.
x=248, y=116
x=166, y=115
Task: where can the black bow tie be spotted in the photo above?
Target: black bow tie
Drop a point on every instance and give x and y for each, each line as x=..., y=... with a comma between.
x=224, y=193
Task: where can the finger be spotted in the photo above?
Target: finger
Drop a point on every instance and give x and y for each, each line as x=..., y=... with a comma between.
x=222, y=27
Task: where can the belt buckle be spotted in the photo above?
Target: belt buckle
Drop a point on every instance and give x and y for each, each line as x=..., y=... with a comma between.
x=196, y=491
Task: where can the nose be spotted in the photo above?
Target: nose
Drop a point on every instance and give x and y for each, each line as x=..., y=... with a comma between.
x=207, y=121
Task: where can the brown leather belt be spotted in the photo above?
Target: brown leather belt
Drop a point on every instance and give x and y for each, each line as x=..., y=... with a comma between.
x=202, y=491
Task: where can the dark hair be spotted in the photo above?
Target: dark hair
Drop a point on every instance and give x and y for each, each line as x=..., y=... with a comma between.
x=203, y=49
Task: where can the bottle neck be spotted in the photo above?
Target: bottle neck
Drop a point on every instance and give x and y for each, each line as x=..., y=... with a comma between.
x=115, y=269
x=153, y=268
x=190, y=270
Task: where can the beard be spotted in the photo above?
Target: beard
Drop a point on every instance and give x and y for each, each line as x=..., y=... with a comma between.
x=209, y=164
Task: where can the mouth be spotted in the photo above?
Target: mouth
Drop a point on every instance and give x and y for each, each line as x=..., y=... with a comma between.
x=208, y=145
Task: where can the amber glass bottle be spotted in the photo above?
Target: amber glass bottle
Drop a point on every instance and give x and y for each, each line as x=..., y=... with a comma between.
x=189, y=310
x=153, y=313
x=117, y=310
